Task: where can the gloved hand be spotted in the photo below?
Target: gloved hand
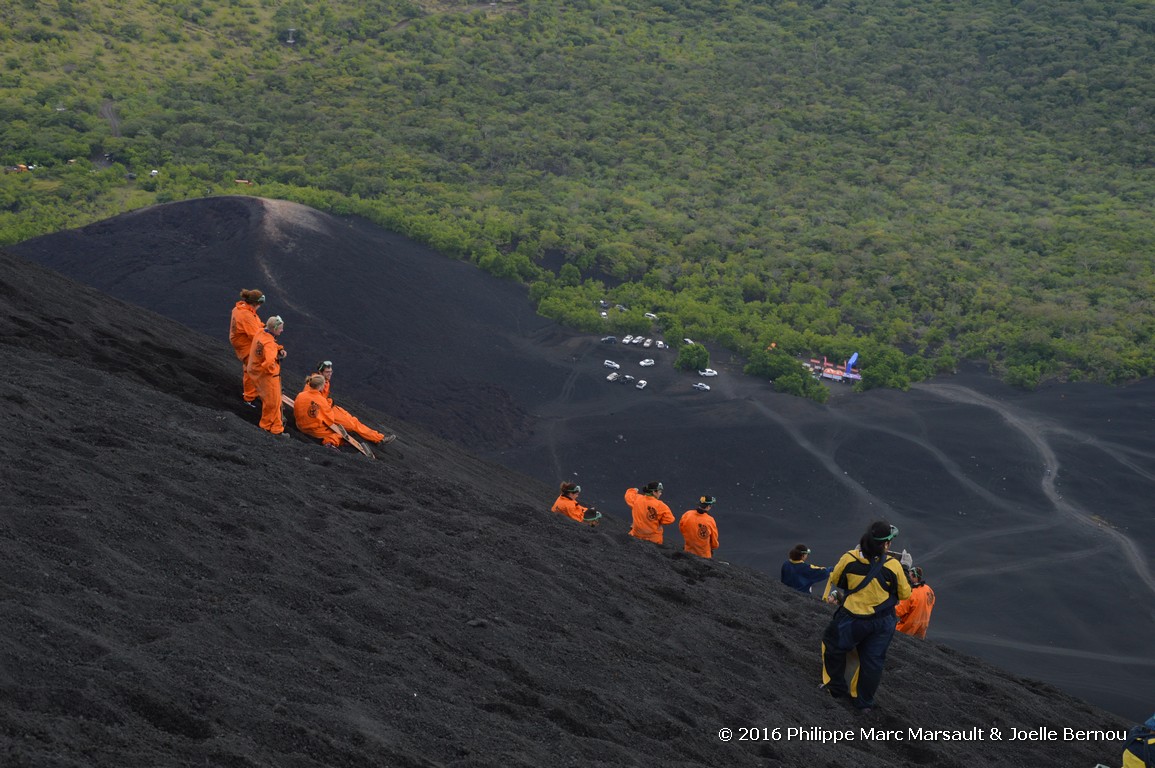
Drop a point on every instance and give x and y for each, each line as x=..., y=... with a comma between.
x=907, y=560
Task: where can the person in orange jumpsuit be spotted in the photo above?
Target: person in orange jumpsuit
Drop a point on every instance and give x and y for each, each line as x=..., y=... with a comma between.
x=265, y=358
x=243, y=326
x=699, y=528
x=914, y=612
x=567, y=504
x=650, y=513
x=314, y=414
x=343, y=417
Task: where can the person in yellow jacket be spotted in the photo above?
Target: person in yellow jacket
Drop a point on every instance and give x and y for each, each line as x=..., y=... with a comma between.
x=649, y=512
x=244, y=324
x=343, y=417
x=264, y=367
x=870, y=582
x=914, y=612
x=567, y=504
x=699, y=528
x=1139, y=751
x=314, y=414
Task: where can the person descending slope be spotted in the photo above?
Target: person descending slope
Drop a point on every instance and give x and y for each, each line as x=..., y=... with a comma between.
x=699, y=528
x=343, y=417
x=244, y=324
x=914, y=612
x=265, y=358
x=567, y=504
x=650, y=513
x=872, y=582
x=1139, y=751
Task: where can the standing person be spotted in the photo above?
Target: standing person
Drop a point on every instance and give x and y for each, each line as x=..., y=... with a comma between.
x=265, y=358
x=567, y=504
x=343, y=417
x=872, y=582
x=650, y=513
x=244, y=324
x=799, y=574
x=699, y=528
x=314, y=414
x=914, y=612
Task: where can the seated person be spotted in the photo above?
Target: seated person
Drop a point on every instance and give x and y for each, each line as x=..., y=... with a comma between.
x=799, y=574
x=314, y=414
x=343, y=417
x=567, y=504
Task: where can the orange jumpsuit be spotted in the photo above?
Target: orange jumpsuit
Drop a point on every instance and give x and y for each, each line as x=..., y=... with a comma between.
x=570, y=508
x=314, y=414
x=265, y=370
x=650, y=514
x=243, y=326
x=349, y=421
x=914, y=612
x=700, y=531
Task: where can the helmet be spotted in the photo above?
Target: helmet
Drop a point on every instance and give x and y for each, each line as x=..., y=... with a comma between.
x=653, y=486
x=915, y=575
x=706, y=500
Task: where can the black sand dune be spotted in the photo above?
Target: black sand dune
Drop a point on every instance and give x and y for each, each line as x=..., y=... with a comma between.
x=996, y=493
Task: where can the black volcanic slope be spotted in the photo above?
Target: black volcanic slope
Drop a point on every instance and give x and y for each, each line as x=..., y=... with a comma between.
x=961, y=465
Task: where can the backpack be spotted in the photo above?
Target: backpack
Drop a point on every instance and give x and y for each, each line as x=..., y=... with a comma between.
x=1139, y=751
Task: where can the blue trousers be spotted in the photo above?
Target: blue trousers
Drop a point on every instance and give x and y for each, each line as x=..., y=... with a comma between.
x=870, y=637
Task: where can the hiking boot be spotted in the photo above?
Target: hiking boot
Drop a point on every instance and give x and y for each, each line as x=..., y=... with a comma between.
x=387, y=439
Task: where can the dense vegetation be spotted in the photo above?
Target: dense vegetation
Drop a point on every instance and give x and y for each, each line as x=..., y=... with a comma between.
x=918, y=181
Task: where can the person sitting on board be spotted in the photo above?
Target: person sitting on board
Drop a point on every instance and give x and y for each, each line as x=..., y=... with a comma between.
x=265, y=356
x=699, y=528
x=244, y=324
x=343, y=417
x=314, y=414
x=914, y=612
x=567, y=504
x=649, y=512
x=799, y=574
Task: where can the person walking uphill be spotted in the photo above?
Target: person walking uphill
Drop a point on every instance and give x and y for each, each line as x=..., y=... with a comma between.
x=699, y=528
x=243, y=326
x=799, y=574
x=265, y=358
x=650, y=513
x=872, y=582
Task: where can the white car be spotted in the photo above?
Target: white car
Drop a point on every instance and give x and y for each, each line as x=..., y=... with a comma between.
x=605, y=314
x=611, y=364
x=660, y=344
x=613, y=376
x=708, y=372
x=687, y=341
x=628, y=339
x=648, y=343
x=647, y=362
x=703, y=387
x=641, y=384
x=651, y=316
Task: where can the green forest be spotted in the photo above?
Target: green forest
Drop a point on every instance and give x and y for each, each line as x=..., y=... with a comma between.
x=922, y=182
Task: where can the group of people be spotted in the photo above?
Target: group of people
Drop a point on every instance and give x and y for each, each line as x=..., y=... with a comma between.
x=876, y=592
x=649, y=514
x=256, y=347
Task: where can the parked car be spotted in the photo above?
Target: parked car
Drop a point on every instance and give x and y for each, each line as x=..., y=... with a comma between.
x=605, y=314
x=628, y=339
x=647, y=362
x=687, y=341
x=648, y=343
x=611, y=364
x=638, y=340
x=660, y=344
x=620, y=308
x=702, y=387
x=708, y=372
x=609, y=339
x=651, y=315
x=627, y=378
x=613, y=376
x=641, y=384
